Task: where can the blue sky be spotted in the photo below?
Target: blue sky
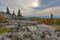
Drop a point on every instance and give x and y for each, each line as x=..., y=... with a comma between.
x=44, y=8
x=48, y=4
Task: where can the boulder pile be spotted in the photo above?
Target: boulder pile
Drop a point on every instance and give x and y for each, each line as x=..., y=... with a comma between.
x=39, y=32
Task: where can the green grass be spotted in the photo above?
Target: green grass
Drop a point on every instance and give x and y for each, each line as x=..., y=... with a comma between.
x=4, y=30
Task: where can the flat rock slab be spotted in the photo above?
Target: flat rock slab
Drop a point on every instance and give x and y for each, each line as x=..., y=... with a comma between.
x=32, y=28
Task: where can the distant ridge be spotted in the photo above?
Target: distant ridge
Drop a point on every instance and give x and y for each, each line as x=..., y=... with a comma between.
x=41, y=16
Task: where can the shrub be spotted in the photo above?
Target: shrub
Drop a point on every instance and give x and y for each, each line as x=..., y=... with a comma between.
x=2, y=19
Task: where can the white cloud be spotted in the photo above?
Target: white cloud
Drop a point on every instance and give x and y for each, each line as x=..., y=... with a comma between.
x=48, y=11
x=24, y=5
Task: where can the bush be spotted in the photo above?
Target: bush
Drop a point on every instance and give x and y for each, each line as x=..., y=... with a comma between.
x=2, y=19
x=3, y=30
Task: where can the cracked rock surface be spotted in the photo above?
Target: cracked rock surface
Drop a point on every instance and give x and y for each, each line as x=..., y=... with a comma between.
x=39, y=32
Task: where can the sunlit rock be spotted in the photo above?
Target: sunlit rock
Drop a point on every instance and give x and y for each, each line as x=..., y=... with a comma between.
x=32, y=28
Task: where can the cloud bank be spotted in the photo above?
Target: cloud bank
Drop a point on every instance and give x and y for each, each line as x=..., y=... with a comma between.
x=27, y=7
x=48, y=11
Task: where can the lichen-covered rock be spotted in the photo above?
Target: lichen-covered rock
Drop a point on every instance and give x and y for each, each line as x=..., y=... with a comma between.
x=37, y=32
x=50, y=38
x=23, y=28
x=32, y=28
x=36, y=37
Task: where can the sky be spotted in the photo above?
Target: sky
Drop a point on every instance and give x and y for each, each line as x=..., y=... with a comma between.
x=32, y=7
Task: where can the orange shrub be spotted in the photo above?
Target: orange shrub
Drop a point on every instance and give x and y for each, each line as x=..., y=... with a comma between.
x=47, y=22
x=2, y=19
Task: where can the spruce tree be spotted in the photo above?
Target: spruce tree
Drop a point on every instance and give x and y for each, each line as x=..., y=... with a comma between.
x=8, y=12
x=13, y=13
x=53, y=20
x=19, y=13
x=51, y=16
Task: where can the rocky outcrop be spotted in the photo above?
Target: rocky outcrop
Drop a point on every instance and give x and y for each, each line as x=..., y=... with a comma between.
x=35, y=33
x=28, y=30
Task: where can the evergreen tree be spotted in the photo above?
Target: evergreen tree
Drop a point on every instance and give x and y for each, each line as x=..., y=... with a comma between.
x=51, y=18
x=8, y=12
x=19, y=13
x=53, y=21
x=13, y=13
